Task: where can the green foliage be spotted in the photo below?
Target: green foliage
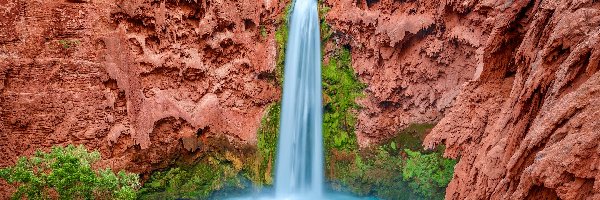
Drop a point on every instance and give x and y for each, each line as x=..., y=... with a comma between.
x=326, y=31
x=267, y=144
x=379, y=170
x=370, y=172
x=340, y=90
x=263, y=31
x=68, y=43
x=67, y=171
x=196, y=181
x=281, y=37
x=428, y=173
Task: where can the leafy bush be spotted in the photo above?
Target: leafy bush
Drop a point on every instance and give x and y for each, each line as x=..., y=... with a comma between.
x=428, y=173
x=67, y=172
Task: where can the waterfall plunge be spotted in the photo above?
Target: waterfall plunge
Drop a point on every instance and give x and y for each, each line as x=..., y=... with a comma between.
x=300, y=150
x=299, y=163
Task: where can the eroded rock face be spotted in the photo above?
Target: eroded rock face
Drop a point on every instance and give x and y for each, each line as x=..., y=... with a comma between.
x=413, y=58
x=514, y=84
x=520, y=79
x=142, y=81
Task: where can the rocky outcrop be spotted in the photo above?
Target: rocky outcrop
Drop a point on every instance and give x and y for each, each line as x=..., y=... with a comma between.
x=141, y=81
x=532, y=130
x=515, y=84
x=413, y=58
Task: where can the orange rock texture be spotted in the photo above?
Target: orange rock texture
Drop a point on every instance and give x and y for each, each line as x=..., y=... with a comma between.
x=515, y=84
x=142, y=81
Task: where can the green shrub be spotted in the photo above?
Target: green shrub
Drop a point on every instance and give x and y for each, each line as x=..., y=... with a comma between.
x=428, y=173
x=67, y=171
x=379, y=170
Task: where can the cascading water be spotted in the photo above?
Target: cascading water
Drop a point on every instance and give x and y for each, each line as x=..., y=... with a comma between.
x=299, y=163
x=300, y=151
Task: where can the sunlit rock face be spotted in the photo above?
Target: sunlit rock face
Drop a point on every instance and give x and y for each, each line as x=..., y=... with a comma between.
x=414, y=57
x=515, y=84
x=142, y=81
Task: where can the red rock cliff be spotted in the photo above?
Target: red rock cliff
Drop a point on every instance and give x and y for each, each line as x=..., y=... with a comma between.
x=515, y=84
x=141, y=81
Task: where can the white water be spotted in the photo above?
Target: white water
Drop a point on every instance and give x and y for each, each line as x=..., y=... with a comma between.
x=299, y=163
x=300, y=150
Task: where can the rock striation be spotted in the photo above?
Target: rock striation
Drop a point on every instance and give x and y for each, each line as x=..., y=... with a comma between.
x=142, y=81
x=515, y=85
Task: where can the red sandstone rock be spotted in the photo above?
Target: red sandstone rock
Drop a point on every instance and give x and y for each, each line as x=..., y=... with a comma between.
x=514, y=83
x=413, y=64
x=140, y=80
x=525, y=121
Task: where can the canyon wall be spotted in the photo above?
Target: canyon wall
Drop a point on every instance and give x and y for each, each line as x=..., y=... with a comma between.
x=142, y=81
x=515, y=84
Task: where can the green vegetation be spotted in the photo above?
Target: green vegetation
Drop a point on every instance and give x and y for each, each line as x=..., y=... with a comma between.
x=197, y=181
x=267, y=145
x=67, y=172
x=388, y=171
x=224, y=167
x=340, y=90
x=68, y=43
x=281, y=37
x=428, y=174
x=326, y=31
x=263, y=31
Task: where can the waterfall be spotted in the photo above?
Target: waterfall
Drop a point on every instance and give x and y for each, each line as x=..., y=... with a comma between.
x=300, y=149
x=299, y=163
